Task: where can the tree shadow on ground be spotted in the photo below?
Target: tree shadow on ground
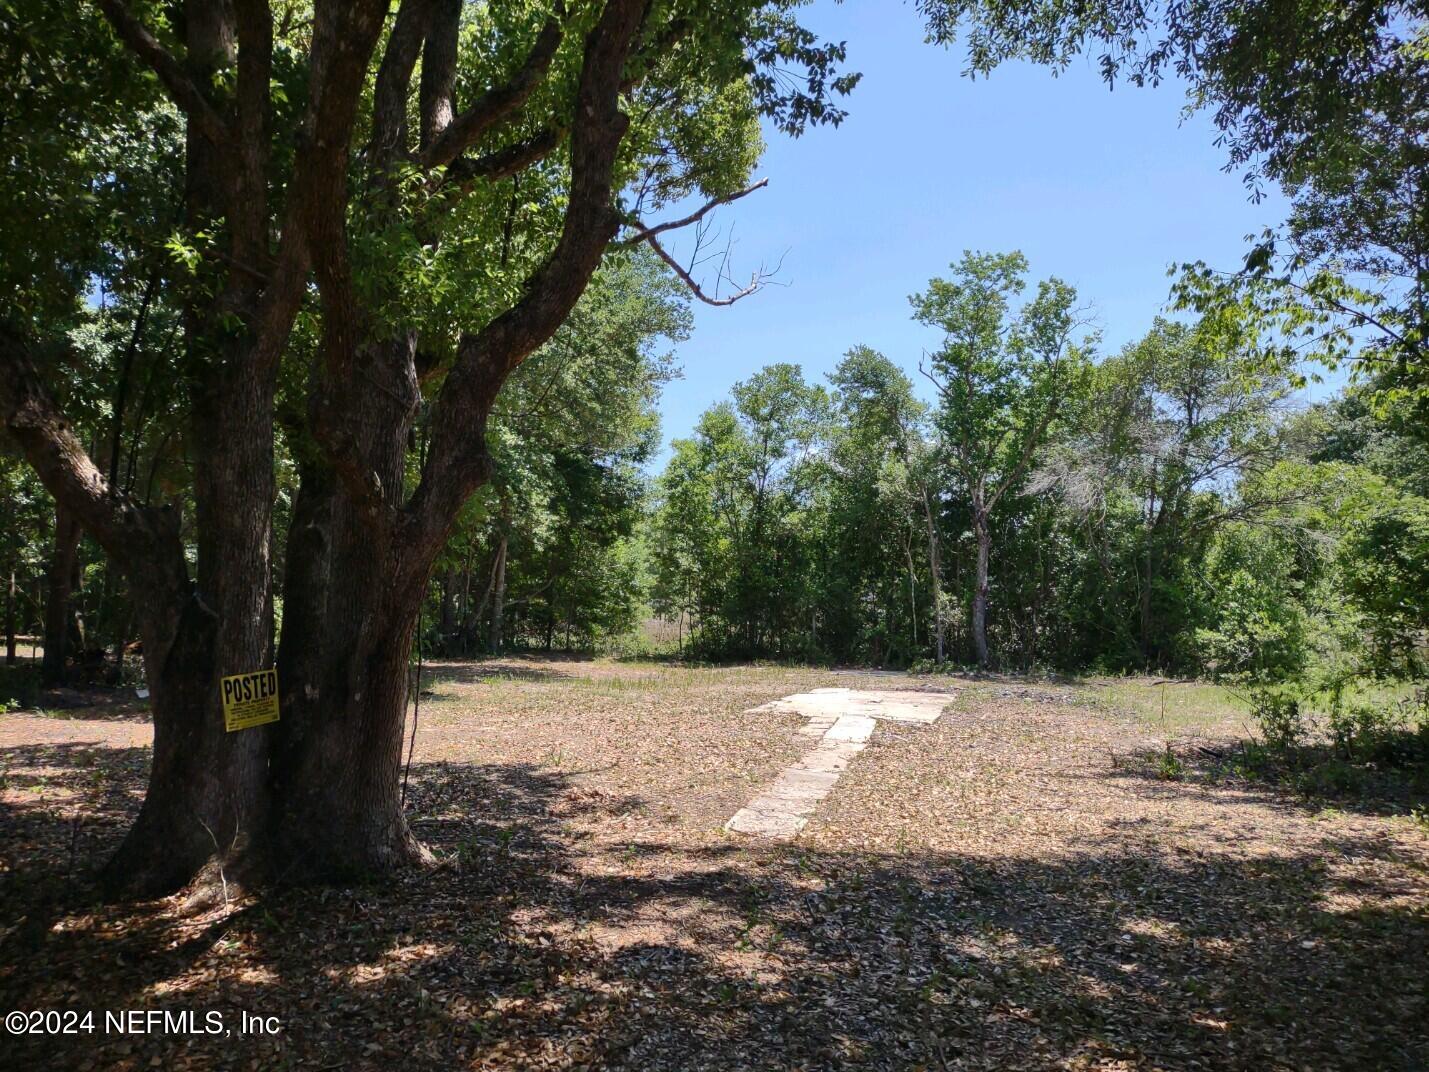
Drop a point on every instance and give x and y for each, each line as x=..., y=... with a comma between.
x=547, y=937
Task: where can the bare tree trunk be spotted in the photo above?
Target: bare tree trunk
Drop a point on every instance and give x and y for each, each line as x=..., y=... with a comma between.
x=1145, y=608
x=935, y=569
x=351, y=604
x=495, y=638
x=338, y=771
x=979, y=607
x=472, y=629
x=10, y=597
x=121, y=637
x=447, y=625
x=57, y=598
x=1150, y=526
x=126, y=367
x=912, y=588
x=208, y=789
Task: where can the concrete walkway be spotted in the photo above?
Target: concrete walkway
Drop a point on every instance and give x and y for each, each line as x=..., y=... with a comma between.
x=843, y=720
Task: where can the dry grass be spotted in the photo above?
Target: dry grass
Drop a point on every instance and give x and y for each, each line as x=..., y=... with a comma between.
x=1011, y=887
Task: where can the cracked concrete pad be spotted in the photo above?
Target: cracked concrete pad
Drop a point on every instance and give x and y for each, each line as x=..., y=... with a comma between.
x=843, y=720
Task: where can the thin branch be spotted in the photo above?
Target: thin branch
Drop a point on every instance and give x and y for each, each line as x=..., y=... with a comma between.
x=756, y=281
x=646, y=233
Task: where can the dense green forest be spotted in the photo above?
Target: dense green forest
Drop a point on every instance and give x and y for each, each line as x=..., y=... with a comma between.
x=1167, y=507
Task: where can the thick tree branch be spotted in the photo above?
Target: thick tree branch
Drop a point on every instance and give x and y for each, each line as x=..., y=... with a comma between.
x=457, y=459
x=436, y=98
x=394, y=81
x=498, y=103
x=344, y=36
x=314, y=226
x=512, y=159
x=254, y=22
x=505, y=162
x=185, y=93
x=126, y=531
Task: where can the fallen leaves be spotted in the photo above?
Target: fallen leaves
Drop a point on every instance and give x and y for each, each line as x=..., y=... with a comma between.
x=988, y=892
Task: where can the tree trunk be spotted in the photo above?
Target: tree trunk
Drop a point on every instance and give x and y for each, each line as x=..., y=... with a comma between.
x=448, y=609
x=10, y=596
x=935, y=570
x=208, y=788
x=1151, y=523
x=912, y=590
x=330, y=801
x=352, y=596
x=338, y=768
x=495, y=638
x=979, y=608
x=121, y=637
x=57, y=601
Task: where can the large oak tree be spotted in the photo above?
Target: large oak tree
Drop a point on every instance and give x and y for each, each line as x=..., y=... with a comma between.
x=386, y=210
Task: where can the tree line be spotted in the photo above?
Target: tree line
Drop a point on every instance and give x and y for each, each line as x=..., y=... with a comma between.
x=1166, y=507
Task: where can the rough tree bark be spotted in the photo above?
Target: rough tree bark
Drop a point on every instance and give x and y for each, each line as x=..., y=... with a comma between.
x=935, y=572
x=208, y=790
x=345, y=692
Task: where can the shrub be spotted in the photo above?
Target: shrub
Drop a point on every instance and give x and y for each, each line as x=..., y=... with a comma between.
x=1170, y=768
x=1388, y=734
x=1279, y=716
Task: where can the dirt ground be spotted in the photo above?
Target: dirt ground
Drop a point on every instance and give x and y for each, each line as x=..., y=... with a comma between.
x=1015, y=886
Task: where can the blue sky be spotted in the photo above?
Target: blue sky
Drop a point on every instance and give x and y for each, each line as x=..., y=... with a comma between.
x=1103, y=188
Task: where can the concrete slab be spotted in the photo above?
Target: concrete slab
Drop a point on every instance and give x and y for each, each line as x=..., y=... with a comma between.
x=843, y=720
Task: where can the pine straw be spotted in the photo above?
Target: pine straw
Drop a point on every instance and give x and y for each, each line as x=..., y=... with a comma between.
x=1011, y=887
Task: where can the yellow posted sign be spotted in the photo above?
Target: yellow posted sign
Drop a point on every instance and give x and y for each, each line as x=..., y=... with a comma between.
x=250, y=699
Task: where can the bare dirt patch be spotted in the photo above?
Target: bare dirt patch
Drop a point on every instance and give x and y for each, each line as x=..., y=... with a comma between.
x=1009, y=887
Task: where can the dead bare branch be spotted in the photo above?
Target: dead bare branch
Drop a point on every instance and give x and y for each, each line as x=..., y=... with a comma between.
x=645, y=233
x=755, y=283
